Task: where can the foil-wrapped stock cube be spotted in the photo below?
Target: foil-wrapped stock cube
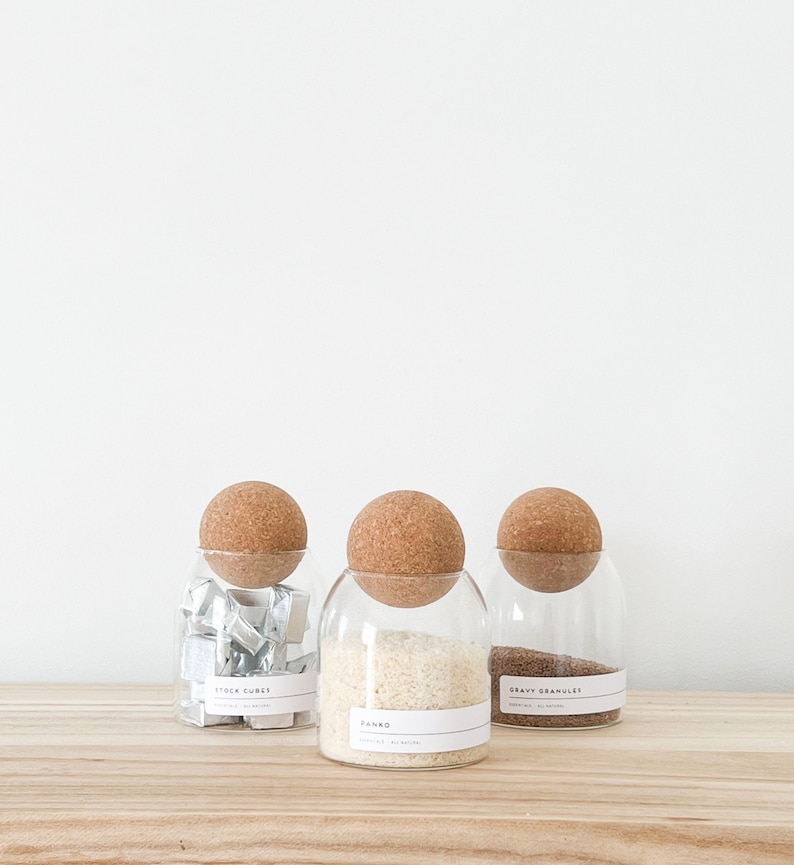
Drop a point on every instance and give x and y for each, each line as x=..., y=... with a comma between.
x=272, y=657
x=217, y=613
x=244, y=635
x=243, y=663
x=198, y=657
x=225, y=663
x=198, y=596
x=251, y=605
x=278, y=613
x=204, y=656
x=197, y=692
x=198, y=625
x=288, y=615
x=195, y=712
x=303, y=664
x=270, y=722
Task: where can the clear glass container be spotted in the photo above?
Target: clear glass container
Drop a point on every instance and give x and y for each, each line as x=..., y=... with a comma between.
x=246, y=641
x=558, y=632
x=404, y=687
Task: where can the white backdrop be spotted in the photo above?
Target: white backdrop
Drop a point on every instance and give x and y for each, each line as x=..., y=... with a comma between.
x=350, y=247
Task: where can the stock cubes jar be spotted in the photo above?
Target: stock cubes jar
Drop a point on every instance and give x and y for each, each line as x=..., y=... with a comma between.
x=404, y=644
x=248, y=615
x=557, y=616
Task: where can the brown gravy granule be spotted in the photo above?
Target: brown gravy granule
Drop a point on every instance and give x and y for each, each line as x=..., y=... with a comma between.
x=519, y=661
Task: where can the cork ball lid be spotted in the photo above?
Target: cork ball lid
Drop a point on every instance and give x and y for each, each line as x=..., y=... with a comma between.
x=399, y=542
x=549, y=539
x=253, y=534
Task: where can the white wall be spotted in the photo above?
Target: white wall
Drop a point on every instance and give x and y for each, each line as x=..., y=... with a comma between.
x=349, y=247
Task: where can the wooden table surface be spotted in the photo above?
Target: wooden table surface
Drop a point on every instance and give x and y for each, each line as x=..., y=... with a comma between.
x=103, y=774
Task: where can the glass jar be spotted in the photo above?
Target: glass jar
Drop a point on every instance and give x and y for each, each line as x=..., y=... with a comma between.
x=404, y=687
x=246, y=641
x=558, y=631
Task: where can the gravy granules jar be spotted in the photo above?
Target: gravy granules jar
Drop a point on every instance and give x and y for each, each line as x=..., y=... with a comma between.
x=557, y=615
x=404, y=652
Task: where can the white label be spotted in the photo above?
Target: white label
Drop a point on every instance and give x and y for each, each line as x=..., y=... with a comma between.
x=260, y=695
x=562, y=695
x=399, y=731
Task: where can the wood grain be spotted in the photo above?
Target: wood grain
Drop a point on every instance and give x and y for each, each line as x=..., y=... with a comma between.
x=103, y=774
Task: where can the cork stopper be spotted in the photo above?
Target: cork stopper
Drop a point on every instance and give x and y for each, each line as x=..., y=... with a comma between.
x=253, y=534
x=549, y=539
x=407, y=547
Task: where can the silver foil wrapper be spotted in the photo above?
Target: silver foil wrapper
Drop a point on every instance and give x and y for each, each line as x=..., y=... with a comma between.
x=288, y=619
x=194, y=712
x=204, y=656
x=244, y=635
x=198, y=596
x=250, y=605
x=270, y=722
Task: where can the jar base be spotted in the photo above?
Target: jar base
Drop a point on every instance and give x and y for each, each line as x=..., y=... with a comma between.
x=559, y=724
x=460, y=765
x=236, y=726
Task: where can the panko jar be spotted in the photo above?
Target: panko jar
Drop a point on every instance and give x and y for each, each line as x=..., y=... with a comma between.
x=404, y=687
x=557, y=627
x=404, y=656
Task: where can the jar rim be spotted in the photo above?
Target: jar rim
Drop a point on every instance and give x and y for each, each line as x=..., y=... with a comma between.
x=549, y=552
x=205, y=551
x=377, y=575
